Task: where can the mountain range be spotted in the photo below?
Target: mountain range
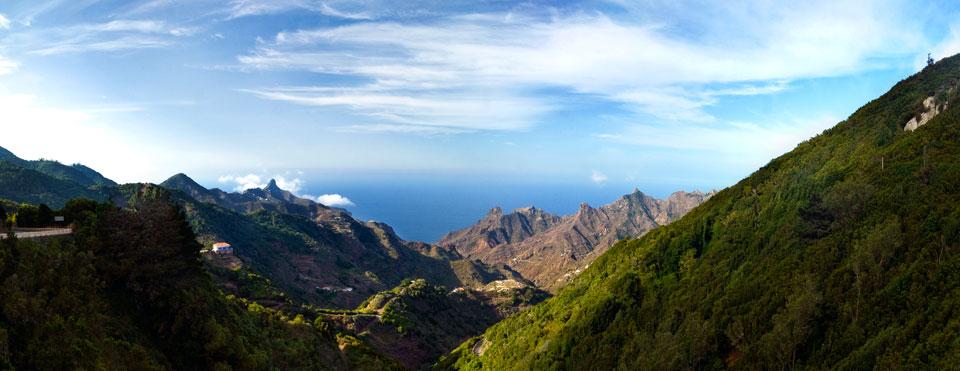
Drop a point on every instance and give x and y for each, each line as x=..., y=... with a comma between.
x=842, y=254
x=289, y=250
x=550, y=250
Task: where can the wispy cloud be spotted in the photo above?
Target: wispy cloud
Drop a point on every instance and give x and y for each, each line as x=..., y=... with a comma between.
x=141, y=26
x=452, y=110
x=645, y=66
x=4, y=22
x=728, y=142
x=117, y=35
x=400, y=129
x=123, y=43
x=245, y=8
x=7, y=66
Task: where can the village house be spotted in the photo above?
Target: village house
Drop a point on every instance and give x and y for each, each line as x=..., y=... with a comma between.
x=222, y=248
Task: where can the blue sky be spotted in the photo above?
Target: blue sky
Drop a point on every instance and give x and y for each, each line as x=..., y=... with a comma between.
x=675, y=94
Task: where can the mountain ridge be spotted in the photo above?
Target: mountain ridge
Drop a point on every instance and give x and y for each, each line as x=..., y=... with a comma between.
x=840, y=254
x=549, y=250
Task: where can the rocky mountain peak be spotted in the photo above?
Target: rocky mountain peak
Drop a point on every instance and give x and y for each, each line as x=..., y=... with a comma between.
x=495, y=212
x=528, y=210
x=272, y=186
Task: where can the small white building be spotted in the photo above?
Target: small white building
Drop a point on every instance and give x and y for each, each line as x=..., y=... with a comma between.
x=222, y=248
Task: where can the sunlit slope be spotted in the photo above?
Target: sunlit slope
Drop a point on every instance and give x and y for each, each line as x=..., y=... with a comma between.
x=843, y=253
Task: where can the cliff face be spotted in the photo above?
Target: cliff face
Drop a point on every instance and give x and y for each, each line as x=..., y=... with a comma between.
x=496, y=229
x=550, y=250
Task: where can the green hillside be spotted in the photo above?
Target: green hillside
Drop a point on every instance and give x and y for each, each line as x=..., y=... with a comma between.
x=23, y=184
x=75, y=173
x=128, y=291
x=844, y=253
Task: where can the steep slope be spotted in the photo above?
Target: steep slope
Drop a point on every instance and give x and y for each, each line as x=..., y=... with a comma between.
x=127, y=291
x=496, y=229
x=415, y=322
x=318, y=254
x=75, y=173
x=841, y=254
x=26, y=185
x=551, y=250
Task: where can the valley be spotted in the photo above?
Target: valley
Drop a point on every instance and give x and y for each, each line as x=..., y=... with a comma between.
x=473, y=185
x=296, y=256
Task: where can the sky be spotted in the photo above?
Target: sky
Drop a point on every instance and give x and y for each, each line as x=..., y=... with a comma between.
x=609, y=94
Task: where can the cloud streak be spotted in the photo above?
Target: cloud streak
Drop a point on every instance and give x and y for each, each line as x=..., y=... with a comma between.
x=246, y=8
x=113, y=36
x=488, y=71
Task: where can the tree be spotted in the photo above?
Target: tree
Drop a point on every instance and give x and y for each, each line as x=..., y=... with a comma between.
x=44, y=216
x=79, y=208
x=3, y=218
x=28, y=216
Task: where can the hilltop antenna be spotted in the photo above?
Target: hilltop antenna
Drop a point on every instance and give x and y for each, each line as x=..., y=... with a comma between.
x=929, y=60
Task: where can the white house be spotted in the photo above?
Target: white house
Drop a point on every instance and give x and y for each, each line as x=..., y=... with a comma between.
x=222, y=248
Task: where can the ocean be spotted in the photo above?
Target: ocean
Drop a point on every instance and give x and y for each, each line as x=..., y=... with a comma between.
x=425, y=211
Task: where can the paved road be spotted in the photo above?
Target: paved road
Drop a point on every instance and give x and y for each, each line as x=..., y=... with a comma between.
x=40, y=233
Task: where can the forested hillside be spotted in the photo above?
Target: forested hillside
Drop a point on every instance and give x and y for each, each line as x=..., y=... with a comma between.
x=23, y=184
x=843, y=253
x=128, y=291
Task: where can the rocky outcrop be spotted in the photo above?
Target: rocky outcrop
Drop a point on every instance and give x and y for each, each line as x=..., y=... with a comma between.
x=562, y=247
x=496, y=229
x=931, y=108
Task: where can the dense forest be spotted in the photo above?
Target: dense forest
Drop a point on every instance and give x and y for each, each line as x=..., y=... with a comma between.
x=844, y=253
x=128, y=291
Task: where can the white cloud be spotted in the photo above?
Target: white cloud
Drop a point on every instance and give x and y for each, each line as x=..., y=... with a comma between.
x=598, y=177
x=4, y=22
x=332, y=8
x=453, y=110
x=141, y=26
x=120, y=44
x=482, y=71
x=244, y=182
x=250, y=181
x=7, y=66
x=400, y=129
x=294, y=185
x=334, y=200
x=742, y=143
x=950, y=45
x=117, y=35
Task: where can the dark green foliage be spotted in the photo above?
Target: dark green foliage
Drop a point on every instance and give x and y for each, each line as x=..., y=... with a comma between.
x=128, y=291
x=34, y=187
x=75, y=173
x=842, y=254
x=418, y=322
x=28, y=216
x=44, y=216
